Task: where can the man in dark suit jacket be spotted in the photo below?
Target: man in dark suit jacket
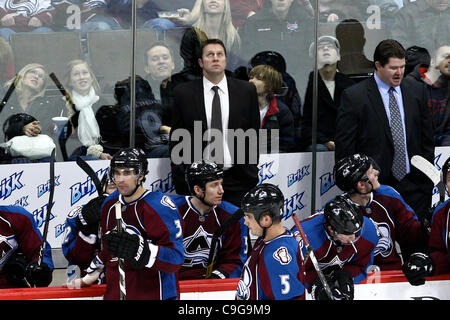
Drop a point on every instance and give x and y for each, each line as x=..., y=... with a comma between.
x=363, y=125
x=192, y=111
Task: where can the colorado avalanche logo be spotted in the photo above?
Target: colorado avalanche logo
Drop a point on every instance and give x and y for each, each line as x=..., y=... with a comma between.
x=243, y=288
x=282, y=255
x=385, y=245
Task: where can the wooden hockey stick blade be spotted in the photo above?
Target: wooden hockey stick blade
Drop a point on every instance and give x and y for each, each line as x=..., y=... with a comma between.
x=49, y=206
x=428, y=169
x=312, y=256
x=90, y=172
x=237, y=215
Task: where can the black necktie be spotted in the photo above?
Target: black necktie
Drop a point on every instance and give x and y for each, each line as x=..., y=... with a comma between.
x=398, y=163
x=216, y=123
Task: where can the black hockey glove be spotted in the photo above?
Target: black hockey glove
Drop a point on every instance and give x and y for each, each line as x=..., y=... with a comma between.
x=418, y=266
x=342, y=285
x=318, y=290
x=38, y=275
x=130, y=247
x=14, y=270
x=89, y=217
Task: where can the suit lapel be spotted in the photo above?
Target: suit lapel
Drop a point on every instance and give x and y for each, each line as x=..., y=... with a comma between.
x=407, y=101
x=232, y=98
x=378, y=105
x=200, y=101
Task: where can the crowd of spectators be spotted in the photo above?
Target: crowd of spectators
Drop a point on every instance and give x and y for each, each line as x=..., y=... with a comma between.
x=276, y=33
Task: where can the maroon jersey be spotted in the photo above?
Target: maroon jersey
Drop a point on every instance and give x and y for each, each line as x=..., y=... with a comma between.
x=439, y=238
x=396, y=222
x=197, y=235
x=154, y=217
x=19, y=232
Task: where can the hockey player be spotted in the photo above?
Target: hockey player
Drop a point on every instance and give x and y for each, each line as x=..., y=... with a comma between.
x=203, y=213
x=437, y=261
x=82, y=235
x=274, y=270
x=395, y=220
x=151, y=244
x=343, y=241
x=20, y=242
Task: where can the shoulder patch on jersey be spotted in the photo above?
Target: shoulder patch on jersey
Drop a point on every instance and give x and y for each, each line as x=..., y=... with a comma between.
x=74, y=212
x=282, y=255
x=166, y=201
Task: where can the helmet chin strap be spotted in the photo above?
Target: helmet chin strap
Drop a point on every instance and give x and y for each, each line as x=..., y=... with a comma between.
x=202, y=199
x=136, y=188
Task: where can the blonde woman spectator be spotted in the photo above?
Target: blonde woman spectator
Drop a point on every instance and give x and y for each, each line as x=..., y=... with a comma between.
x=83, y=87
x=215, y=21
x=28, y=97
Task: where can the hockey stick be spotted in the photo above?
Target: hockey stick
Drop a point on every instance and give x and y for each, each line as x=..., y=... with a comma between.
x=49, y=207
x=122, y=287
x=91, y=174
x=66, y=95
x=301, y=236
x=215, y=238
x=428, y=169
x=9, y=93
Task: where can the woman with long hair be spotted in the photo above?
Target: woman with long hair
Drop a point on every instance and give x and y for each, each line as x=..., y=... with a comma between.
x=84, y=90
x=215, y=21
x=28, y=97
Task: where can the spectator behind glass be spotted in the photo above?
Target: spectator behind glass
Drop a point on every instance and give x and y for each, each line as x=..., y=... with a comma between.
x=84, y=16
x=215, y=21
x=350, y=34
x=28, y=97
x=331, y=83
x=423, y=23
x=151, y=133
x=25, y=16
x=85, y=92
x=416, y=55
x=159, y=65
x=283, y=26
x=436, y=79
x=6, y=61
x=274, y=114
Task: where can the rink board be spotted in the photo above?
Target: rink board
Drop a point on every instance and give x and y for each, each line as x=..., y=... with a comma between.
x=385, y=285
x=27, y=185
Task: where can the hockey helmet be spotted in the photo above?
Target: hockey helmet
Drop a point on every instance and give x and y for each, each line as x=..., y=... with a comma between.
x=343, y=216
x=444, y=170
x=264, y=198
x=129, y=158
x=201, y=172
x=351, y=169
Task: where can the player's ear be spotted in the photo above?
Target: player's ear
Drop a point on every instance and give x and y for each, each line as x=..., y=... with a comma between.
x=197, y=190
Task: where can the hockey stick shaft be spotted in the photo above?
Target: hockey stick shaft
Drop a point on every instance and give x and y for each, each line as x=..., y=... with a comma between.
x=9, y=93
x=49, y=207
x=312, y=256
x=62, y=90
x=122, y=286
x=217, y=234
x=91, y=174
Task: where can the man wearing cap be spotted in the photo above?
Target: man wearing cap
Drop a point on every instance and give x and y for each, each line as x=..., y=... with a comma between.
x=331, y=83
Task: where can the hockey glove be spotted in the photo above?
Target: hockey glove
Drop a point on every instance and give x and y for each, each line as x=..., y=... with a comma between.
x=38, y=275
x=418, y=266
x=130, y=247
x=14, y=270
x=89, y=217
x=342, y=285
x=318, y=290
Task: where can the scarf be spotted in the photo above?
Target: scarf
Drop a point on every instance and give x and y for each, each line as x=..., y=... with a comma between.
x=88, y=130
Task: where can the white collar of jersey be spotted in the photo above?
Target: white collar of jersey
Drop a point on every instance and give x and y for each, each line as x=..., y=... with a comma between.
x=188, y=200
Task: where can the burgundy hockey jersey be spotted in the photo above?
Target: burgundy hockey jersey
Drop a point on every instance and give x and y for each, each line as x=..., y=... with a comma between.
x=197, y=235
x=439, y=238
x=395, y=221
x=156, y=219
x=18, y=231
